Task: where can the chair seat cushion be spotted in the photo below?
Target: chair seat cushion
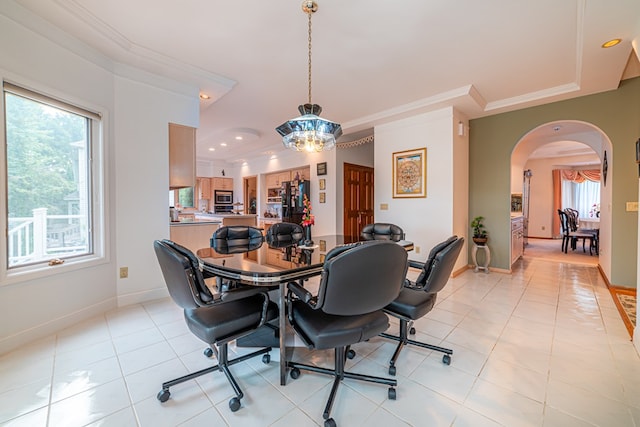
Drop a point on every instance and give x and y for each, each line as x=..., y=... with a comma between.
x=325, y=331
x=223, y=321
x=412, y=303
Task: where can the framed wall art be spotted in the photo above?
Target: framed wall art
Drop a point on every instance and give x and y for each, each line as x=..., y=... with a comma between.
x=321, y=168
x=323, y=197
x=410, y=173
x=323, y=184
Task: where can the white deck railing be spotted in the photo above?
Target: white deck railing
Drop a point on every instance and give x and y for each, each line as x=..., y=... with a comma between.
x=42, y=236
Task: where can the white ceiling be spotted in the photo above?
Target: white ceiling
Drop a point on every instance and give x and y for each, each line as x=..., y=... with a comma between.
x=373, y=61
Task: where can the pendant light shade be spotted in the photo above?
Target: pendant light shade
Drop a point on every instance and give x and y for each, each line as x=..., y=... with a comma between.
x=309, y=132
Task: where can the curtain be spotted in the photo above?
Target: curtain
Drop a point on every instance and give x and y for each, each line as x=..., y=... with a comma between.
x=580, y=190
x=580, y=176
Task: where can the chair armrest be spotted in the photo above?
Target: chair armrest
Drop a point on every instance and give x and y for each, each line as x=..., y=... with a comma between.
x=300, y=292
x=411, y=285
x=416, y=264
x=239, y=293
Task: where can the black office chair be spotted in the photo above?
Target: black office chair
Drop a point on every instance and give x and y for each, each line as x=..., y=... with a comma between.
x=382, y=231
x=234, y=239
x=418, y=298
x=216, y=319
x=357, y=282
x=284, y=234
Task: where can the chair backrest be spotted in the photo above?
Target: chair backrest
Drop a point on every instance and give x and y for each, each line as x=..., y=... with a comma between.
x=184, y=280
x=283, y=234
x=236, y=239
x=361, y=278
x=442, y=266
x=572, y=219
x=382, y=231
x=564, y=224
x=422, y=277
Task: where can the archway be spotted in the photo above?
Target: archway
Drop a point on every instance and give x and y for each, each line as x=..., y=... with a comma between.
x=576, y=144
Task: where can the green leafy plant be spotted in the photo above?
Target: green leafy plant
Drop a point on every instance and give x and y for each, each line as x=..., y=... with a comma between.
x=478, y=227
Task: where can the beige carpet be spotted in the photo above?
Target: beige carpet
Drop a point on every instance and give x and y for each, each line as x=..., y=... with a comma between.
x=550, y=249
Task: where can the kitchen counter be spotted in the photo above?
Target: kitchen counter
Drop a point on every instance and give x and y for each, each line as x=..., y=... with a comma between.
x=196, y=222
x=231, y=219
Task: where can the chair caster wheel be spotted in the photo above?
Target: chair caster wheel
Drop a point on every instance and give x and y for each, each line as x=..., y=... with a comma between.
x=329, y=423
x=446, y=359
x=295, y=373
x=234, y=404
x=266, y=359
x=163, y=395
x=208, y=352
x=351, y=354
x=412, y=331
x=392, y=393
x=392, y=370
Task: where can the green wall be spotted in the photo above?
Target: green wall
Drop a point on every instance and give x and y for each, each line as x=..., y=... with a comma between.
x=492, y=139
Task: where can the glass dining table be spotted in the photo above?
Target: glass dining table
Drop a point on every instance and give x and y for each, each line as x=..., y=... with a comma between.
x=273, y=268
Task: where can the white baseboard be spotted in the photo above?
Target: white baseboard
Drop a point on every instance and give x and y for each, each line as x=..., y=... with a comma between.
x=143, y=296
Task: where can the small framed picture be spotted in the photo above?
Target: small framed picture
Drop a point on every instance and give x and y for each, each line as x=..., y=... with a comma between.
x=322, y=256
x=323, y=184
x=322, y=168
x=323, y=197
x=323, y=245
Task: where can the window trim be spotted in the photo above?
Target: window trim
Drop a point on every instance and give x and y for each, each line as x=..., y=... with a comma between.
x=96, y=165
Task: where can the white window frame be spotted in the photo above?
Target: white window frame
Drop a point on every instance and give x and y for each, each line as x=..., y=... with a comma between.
x=97, y=179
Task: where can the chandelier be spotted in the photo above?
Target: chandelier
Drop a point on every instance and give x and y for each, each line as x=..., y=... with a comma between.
x=309, y=132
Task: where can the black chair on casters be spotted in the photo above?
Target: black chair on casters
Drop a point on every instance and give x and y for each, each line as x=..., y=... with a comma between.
x=382, y=231
x=215, y=319
x=284, y=234
x=357, y=282
x=417, y=299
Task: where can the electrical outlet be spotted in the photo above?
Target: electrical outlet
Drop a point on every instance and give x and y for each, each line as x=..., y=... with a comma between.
x=124, y=272
x=384, y=206
x=417, y=249
x=632, y=206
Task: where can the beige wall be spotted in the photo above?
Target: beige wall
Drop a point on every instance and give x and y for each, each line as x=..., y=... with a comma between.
x=492, y=139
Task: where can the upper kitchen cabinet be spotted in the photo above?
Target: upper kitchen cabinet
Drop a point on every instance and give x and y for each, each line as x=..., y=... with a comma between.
x=275, y=180
x=218, y=183
x=182, y=156
x=203, y=187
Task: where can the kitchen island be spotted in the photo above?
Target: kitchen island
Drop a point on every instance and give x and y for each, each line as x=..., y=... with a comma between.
x=229, y=219
x=194, y=235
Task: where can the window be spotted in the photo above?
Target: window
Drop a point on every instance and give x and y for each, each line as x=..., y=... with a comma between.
x=50, y=179
x=583, y=197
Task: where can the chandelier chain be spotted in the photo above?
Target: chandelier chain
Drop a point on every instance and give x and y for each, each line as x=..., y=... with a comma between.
x=309, y=40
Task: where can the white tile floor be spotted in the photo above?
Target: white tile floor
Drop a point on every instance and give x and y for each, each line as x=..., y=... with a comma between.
x=542, y=347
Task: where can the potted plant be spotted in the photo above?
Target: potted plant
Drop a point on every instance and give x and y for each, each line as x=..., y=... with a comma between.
x=479, y=232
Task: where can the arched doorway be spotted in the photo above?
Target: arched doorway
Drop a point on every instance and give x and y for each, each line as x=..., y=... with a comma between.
x=569, y=143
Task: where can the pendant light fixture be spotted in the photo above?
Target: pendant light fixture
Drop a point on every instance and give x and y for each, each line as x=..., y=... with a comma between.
x=309, y=132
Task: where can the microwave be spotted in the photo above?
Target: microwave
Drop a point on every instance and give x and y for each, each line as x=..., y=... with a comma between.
x=223, y=197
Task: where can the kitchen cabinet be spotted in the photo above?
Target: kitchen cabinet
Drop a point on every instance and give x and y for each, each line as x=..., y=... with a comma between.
x=182, y=156
x=203, y=188
x=301, y=173
x=275, y=180
x=517, y=238
x=219, y=183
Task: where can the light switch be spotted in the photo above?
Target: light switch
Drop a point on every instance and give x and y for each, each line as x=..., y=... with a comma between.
x=384, y=206
x=632, y=206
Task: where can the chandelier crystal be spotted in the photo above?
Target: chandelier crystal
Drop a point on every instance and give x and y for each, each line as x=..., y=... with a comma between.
x=309, y=132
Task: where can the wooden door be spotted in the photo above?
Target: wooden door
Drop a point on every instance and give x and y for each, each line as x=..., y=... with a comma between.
x=358, y=198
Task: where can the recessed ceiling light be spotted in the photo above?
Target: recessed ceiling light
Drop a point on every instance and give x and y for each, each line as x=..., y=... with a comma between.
x=204, y=96
x=212, y=149
x=611, y=43
x=238, y=137
x=223, y=144
x=273, y=156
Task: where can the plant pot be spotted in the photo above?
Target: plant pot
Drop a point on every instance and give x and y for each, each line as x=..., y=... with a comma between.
x=480, y=241
x=307, y=236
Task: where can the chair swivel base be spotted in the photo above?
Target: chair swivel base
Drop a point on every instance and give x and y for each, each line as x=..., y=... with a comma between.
x=339, y=374
x=403, y=340
x=223, y=365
